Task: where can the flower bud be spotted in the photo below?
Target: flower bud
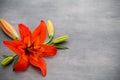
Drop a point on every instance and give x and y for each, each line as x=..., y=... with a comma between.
x=50, y=28
x=7, y=60
x=60, y=39
x=8, y=29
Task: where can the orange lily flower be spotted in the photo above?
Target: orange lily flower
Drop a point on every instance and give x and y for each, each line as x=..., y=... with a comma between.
x=31, y=48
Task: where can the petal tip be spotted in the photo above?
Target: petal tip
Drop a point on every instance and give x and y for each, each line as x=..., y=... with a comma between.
x=42, y=21
x=44, y=73
x=20, y=24
x=4, y=42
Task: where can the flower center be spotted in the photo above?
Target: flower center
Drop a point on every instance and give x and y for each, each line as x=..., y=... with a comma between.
x=34, y=50
x=28, y=50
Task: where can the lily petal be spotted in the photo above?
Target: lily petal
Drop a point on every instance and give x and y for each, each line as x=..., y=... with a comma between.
x=25, y=34
x=49, y=51
x=15, y=45
x=39, y=34
x=39, y=63
x=22, y=63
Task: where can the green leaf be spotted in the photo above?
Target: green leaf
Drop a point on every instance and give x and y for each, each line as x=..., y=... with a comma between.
x=15, y=61
x=61, y=47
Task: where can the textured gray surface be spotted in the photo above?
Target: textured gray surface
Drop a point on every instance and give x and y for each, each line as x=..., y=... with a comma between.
x=94, y=30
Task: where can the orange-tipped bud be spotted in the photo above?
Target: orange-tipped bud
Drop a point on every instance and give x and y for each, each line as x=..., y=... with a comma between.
x=8, y=29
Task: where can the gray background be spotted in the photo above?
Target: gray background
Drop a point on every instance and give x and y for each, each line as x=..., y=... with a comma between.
x=94, y=30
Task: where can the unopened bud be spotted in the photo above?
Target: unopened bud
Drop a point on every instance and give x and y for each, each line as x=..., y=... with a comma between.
x=7, y=60
x=50, y=28
x=8, y=29
x=60, y=39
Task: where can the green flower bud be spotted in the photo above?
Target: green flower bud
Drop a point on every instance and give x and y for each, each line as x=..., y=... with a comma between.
x=60, y=39
x=7, y=60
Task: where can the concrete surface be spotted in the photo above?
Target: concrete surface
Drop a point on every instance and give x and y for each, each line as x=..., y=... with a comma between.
x=94, y=30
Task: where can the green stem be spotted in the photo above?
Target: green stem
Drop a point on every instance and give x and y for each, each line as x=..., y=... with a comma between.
x=49, y=40
x=14, y=56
